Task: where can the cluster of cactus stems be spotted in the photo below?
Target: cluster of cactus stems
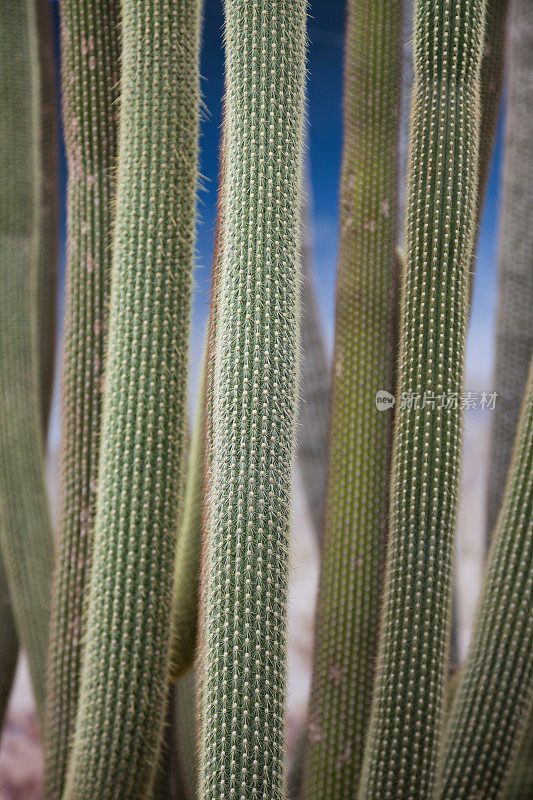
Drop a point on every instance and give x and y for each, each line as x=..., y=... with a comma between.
x=254, y=388
x=25, y=530
x=495, y=695
x=90, y=68
x=359, y=446
x=144, y=569
x=400, y=758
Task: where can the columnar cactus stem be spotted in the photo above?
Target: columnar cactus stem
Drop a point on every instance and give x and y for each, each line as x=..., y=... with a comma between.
x=408, y=704
x=256, y=348
x=90, y=68
x=124, y=680
x=519, y=784
x=185, y=595
x=495, y=696
x=514, y=330
x=49, y=206
x=348, y=607
x=25, y=532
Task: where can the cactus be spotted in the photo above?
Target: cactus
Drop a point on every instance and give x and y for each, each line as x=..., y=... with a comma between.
x=185, y=715
x=123, y=690
x=313, y=422
x=519, y=784
x=185, y=595
x=49, y=207
x=25, y=532
x=254, y=388
x=495, y=695
x=90, y=59
x=514, y=331
x=359, y=445
x=407, y=712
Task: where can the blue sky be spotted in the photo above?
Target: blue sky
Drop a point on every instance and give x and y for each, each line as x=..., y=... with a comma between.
x=324, y=107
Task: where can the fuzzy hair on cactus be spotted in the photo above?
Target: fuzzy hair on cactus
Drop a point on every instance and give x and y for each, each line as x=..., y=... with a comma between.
x=25, y=531
x=400, y=755
x=495, y=696
x=514, y=330
x=123, y=692
x=254, y=406
x=360, y=435
x=90, y=67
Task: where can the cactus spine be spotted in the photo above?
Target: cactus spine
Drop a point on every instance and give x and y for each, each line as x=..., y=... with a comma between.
x=126, y=656
x=495, y=696
x=514, y=330
x=25, y=533
x=359, y=446
x=90, y=59
x=254, y=389
x=408, y=703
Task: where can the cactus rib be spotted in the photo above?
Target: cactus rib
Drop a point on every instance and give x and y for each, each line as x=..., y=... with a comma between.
x=124, y=680
x=90, y=68
x=9, y=646
x=25, y=530
x=348, y=606
x=400, y=754
x=254, y=404
x=495, y=695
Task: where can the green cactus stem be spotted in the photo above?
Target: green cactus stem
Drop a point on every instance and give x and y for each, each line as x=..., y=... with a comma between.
x=25, y=531
x=514, y=330
x=185, y=595
x=400, y=755
x=49, y=206
x=124, y=681
x=90, y=68
x=495, y=697
x=360, y=436
x=519, y=785
x=254, y=388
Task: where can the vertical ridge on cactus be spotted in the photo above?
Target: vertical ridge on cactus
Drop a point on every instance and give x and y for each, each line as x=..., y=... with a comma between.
x=254, y=404
x=25, y=531
x=514, y=330
x=90, y=71
x=124, y=681
x=348, y=606
x=495, y=696
x=400, y=755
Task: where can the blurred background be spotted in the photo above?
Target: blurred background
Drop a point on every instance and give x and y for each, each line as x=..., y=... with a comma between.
x=20, y=758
